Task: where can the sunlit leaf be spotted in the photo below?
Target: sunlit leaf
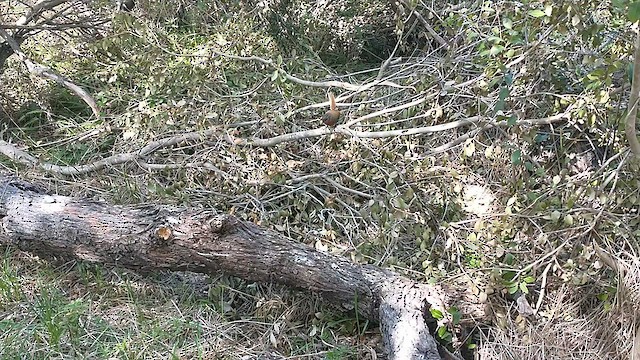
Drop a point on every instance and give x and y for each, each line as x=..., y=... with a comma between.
x=537, y=13
x=507, y=23
x=436, y=314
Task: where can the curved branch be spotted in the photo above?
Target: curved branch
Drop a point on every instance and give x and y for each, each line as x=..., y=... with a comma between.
x=299, y=135
x=343, y=129
x=630, y=121
x=324, y=84
x=46, y=72
x=23, y=157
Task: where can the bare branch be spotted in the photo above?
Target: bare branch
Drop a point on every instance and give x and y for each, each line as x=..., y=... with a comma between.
x=38, y=9
x=23, y=157
x=630, y=121
x=46, y=72
x=343, y=129
x=55, y=27
x=324, y=84
x=389, y=110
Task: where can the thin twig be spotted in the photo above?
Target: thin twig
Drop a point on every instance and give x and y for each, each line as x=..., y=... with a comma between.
x=324, y=84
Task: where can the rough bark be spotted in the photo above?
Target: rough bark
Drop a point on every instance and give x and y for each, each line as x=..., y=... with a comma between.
x=202, y=240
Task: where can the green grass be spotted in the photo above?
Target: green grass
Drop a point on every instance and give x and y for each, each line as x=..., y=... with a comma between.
x=85, y=311
x=89, y=312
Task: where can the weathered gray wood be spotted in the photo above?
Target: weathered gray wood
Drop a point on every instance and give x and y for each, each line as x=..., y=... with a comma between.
x=202, y=240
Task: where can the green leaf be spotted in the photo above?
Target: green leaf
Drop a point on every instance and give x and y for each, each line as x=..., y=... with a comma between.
x=529, y=279
x=516, y=157
x=496, y=49
x=442, y=331
x=509, y=258
x=634, y=11
x=504, y=93
x=508, y=275
x=508, y=79
x=444, y=334
x=541, y=138
x=568, y=220
x=523, y=288
x=436, y=314
x=537, y=13
x=455, y=314
x=512, y=120
x=620, y=4
x=528, y=165
x=507, y=23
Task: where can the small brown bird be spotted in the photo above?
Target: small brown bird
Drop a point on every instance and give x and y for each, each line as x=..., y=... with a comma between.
x=330, y=118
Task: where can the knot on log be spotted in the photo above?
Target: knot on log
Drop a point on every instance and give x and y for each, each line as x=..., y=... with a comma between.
x=223, y=224
x=164, y=235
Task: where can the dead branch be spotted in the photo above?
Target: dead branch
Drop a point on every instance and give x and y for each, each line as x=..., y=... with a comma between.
x=22, y=30
x=630, y=121
x=39, y=8
x=23, y=157
x=43, y=71
x=427, y=26
x=389, y=110
x=324, y=84
x=343, y=129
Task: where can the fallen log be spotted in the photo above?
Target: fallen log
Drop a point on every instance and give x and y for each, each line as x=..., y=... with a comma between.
x=154, y=237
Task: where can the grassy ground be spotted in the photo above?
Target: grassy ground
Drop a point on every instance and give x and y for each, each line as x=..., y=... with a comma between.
x=518, y=214
x=80, y=311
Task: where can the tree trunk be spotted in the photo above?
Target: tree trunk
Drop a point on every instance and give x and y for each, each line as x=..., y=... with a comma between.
x=204, y=241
